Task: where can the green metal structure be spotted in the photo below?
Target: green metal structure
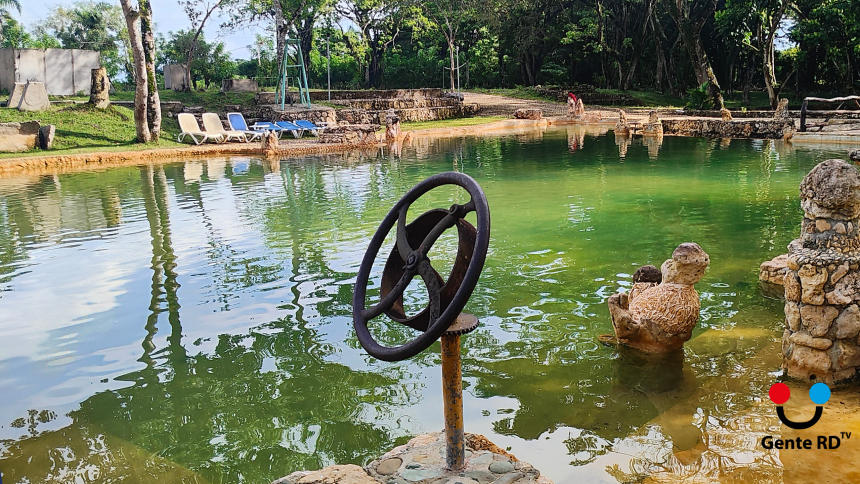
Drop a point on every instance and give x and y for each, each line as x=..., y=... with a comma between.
x=293, y=67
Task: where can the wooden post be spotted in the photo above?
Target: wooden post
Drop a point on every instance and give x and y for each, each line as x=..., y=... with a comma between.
x=100, y=88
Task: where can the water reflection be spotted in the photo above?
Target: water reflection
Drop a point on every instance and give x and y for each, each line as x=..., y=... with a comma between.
x=199, y=326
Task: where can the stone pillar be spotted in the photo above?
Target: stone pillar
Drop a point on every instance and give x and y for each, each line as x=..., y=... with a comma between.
x=621, y=127
x=654, y=127
x=822, y=283
x=392, y=126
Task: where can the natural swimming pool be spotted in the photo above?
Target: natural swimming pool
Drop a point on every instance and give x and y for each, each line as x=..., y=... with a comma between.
x=192, y=321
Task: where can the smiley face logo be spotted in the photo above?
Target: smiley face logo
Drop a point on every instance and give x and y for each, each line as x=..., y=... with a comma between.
x=819, y=393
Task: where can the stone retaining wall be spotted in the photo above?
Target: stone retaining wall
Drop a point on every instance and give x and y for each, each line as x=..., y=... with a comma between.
x=270, y=98
x=272, y=113
x=384, y=104
x=361, y=116
x=717, y=128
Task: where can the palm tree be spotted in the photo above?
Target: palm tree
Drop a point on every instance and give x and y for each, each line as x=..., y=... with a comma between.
x=4, y=10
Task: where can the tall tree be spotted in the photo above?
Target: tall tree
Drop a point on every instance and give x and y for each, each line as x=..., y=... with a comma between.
x=378, y=23
x=5, y=17
x=690, y=16
x=448, y=16
x=90, y=25
x=198, y=12
x=139, y=22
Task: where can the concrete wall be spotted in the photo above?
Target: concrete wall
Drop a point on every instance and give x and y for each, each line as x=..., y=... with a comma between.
x=64, y=71
x=174, y=77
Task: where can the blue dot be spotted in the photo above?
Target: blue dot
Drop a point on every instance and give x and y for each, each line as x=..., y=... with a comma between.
x=819, y=393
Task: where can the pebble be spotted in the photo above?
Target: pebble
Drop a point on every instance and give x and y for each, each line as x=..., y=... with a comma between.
x=482, y=477
x=415, y=475
x=510, y=478
x=482, y=460
x=413, y=465
x=501, y=467
x=396, y=480
x=389, y=466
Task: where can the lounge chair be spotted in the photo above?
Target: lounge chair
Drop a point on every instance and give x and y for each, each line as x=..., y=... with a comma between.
x=188, y=125
x=309, y=126
x=212, y=124
x=237, y=123
x=291, y=127
x=266, y=126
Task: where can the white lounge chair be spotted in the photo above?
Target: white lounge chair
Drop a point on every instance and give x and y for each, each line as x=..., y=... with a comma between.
x=189, y=127
x=237, y=123
x=212, y=124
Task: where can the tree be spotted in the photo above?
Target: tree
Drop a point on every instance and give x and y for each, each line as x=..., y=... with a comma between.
x=754, y=24
x=93, y=26
x=378, y=23
x=448, y=16
x=147, y=108
x=690, y=16
x=198, y=12
x=210, y=62
x=5, y=16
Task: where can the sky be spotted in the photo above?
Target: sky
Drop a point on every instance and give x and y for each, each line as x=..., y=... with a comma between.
x=168, y=15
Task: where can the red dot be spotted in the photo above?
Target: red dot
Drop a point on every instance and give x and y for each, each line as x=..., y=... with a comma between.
x=779, y=393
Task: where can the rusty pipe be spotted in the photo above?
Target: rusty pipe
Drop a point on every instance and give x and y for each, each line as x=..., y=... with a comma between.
x=452, y=395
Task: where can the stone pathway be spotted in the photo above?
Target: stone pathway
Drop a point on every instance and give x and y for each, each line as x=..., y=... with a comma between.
x=422, y=461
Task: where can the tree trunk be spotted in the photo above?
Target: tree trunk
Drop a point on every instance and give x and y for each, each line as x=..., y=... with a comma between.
x=281, y=28
x=450, y=38
x=141, y=85
x=194, y=46
x=153, y=101
x=748, y=79
x=100, y=88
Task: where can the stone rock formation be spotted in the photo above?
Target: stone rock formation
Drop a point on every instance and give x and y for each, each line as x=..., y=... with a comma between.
x=524, y=113
x=29, y=96
x=726, y=114
x=771, y=275
x=270, y=144
x=654, y=127
x=621, y=127
x=392, y=126
x=854, y=155
x=422, y=461
x=822, y=283
x=660, y=318
x=781, y=112
x=99, y=88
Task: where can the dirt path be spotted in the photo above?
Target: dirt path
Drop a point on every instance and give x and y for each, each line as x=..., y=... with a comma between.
x=491, y=105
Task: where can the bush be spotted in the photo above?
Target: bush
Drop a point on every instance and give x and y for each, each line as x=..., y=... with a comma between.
x=698, y=98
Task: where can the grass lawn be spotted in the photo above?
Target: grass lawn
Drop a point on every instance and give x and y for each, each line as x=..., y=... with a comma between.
x=448, y=123
x=82, y=128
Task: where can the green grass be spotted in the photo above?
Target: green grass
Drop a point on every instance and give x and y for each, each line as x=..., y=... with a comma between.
x=518, y=92
x=449, y=123
x=213, y=100
x=82, y=128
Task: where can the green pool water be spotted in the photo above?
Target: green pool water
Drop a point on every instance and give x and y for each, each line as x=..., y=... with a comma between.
x=191, y=322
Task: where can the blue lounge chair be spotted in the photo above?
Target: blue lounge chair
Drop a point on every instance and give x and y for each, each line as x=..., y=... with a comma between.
x=267, y=126
x=237, y=123
x=309, y=126
x=286, y=125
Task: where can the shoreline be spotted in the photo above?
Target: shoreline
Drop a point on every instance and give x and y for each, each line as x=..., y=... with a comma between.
x=83, y=161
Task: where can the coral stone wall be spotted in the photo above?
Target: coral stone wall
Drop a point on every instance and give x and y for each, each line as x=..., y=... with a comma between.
x=822, y=283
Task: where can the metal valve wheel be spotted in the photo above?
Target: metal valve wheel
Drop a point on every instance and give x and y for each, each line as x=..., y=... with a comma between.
x=408, y=258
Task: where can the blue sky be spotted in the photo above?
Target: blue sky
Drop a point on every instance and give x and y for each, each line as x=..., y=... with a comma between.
x=168, y=15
